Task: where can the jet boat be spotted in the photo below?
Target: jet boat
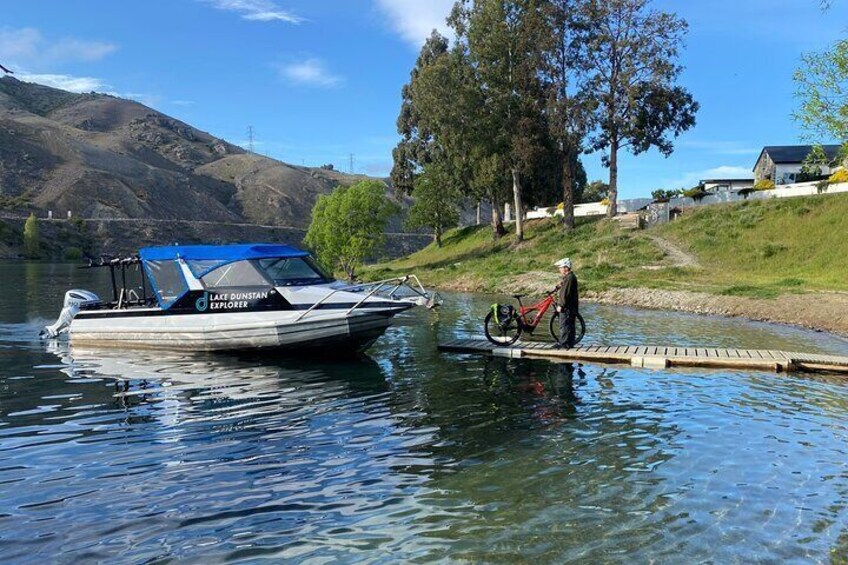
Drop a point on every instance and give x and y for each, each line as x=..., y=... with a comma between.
x=233, y=297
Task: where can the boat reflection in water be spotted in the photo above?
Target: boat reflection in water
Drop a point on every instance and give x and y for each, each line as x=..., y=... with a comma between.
x=204, y=387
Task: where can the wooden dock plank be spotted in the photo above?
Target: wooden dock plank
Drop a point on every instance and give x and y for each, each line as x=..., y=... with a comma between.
x=708, y=357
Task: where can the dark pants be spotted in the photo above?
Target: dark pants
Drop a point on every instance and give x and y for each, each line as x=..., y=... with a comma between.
x=567, y=322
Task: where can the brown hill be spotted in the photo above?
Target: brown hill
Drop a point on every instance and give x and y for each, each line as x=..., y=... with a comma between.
x=103, y=157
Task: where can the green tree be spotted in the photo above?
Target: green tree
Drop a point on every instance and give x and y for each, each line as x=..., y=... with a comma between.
x=417, y=146
x=570, y=108
x=435, y=200
x=349, y=225
x=457, y=135
x=32, y=241
x=595, y=191
x=501, y=39
x=630, y=52
x=822, y=89
x=811, y=166
x=662, y=194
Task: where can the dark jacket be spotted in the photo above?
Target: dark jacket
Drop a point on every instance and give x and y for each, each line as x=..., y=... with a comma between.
x=569, y=295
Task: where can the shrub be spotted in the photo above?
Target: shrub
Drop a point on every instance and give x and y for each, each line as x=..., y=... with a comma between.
x=349, y=224
x=662, y=195
x=73, y=254
x=32, y=242
x=764, y=184
x=695, y=193
x=838, y=177
x=769, y=250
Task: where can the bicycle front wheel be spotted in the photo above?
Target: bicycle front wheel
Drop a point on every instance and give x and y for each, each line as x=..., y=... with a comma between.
x=579, y=328
x=502, y=334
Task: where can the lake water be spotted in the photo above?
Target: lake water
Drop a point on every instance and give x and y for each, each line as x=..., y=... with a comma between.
x=411, y=455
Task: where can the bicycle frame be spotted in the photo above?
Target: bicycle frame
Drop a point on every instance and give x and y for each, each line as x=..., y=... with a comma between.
x=540, y=308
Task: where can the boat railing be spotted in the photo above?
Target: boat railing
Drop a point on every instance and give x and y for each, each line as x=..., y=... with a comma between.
x=422, y=298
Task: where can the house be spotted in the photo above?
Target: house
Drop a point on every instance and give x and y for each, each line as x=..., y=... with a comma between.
x=725, y=185
x=782, y=163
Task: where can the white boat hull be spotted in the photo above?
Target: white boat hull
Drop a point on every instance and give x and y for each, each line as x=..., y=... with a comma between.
x=233, y=331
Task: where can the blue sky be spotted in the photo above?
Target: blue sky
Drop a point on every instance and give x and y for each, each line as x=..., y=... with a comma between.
x=321, y=79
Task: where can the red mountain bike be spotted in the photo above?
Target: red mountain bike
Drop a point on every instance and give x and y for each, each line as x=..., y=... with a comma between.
x=504, y=325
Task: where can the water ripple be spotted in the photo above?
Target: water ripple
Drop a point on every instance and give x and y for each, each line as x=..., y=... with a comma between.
x=412, y=455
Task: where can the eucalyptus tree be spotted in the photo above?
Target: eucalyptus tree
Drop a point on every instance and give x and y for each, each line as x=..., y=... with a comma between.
x=570, y=107
x=500, y=40
x=442, y=124
x=417, y=146
x=630, y=55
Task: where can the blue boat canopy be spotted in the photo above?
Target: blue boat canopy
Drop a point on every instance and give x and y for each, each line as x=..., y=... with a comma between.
x=221, y=253
x=168, y=280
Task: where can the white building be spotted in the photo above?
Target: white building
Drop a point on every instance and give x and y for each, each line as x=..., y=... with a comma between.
x=782, y=163
x=725, y=185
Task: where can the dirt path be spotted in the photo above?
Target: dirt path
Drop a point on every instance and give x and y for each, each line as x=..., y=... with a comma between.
x=677, y=256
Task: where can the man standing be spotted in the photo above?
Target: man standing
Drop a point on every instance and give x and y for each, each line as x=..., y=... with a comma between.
x=568, y=303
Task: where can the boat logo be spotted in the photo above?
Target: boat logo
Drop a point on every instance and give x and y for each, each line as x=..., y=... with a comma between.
x=202, y=303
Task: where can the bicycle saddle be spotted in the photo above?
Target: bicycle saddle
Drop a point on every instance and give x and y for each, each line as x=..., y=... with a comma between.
x=518, y=296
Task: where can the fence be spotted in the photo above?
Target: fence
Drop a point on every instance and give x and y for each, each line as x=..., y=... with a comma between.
x=661, y=212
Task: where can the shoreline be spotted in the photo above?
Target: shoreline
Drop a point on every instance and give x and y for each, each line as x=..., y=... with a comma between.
x=816, y=311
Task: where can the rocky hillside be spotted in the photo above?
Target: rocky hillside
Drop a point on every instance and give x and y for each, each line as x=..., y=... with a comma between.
x=103, y=157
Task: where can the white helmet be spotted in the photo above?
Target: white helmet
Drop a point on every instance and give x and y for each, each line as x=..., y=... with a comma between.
x=566, y=262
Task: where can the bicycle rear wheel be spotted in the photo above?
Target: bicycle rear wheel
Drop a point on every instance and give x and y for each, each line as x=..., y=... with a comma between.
x=579, y=328
x=502, y=334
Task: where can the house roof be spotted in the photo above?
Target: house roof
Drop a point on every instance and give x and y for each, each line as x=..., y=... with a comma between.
x=783, y=154
x=747, y=179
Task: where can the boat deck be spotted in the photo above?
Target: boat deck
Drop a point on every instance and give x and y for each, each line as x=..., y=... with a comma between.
x=660, y=357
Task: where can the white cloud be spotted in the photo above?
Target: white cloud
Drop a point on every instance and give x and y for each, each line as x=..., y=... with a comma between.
x=414, y=20
x=78, y=50
x=83, y=85
x=27, y=47
x=309, y=72
x=690, y=179
x=256, y=10
x=66, y=82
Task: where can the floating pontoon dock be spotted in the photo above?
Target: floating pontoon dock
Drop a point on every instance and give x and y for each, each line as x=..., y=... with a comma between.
x=656, y=357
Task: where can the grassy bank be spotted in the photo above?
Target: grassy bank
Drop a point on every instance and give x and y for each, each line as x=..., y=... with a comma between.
x=769, y=247
x=757, y=249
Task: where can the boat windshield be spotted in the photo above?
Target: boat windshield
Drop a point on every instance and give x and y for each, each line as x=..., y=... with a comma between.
x=292, y=271
x=240, y=273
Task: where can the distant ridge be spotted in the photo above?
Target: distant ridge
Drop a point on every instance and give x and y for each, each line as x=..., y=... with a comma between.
x=100, y=156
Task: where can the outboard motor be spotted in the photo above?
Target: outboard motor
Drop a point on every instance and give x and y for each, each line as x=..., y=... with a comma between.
x=75, y=300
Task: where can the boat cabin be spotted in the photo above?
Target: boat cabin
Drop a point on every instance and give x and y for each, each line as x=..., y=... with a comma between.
x=222, y=277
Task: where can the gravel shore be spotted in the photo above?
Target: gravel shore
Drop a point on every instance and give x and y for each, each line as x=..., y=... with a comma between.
x=821, y=311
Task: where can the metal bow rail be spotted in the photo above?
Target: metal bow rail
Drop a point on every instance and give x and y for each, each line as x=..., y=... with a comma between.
x=422, y=298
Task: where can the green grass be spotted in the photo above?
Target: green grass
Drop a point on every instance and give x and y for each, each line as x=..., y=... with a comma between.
x=788, y=245
x=756, y=249
x=470, y=257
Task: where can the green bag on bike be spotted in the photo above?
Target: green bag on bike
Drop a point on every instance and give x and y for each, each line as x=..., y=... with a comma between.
x=503, y=313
